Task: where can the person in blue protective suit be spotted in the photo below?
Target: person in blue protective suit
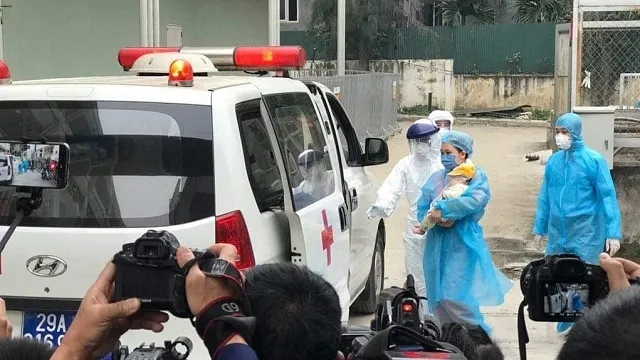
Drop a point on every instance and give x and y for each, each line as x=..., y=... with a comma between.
x=459, y=271
x=577, y=205
x=407, y=178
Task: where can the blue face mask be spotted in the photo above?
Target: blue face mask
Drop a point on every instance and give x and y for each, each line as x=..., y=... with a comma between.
x=449, y=161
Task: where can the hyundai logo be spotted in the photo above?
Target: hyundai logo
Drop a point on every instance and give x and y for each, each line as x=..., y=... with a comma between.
x=46, y=266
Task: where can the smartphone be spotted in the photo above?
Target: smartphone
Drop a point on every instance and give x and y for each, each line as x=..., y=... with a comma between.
x=34, y=165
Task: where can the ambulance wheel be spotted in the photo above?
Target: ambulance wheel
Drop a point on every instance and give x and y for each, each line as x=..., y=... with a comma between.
x=367, y=301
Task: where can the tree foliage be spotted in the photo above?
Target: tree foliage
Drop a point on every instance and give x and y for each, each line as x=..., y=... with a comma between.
x=368, y=26
x=456, y=12
x=538, y=11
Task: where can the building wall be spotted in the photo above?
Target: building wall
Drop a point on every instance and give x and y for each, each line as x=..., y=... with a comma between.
x=305, y=10
x=69, y=38
x=418, y=78
x=496, y=91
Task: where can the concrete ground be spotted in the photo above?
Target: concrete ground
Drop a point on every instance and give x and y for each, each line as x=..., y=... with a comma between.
x=500, y=151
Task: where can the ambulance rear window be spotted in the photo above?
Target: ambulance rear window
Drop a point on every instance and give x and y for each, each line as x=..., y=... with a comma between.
x=132, y=164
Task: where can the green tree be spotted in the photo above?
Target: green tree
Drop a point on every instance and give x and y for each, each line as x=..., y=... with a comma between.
x=456, y=12
x=369, y=24
x=538, y=11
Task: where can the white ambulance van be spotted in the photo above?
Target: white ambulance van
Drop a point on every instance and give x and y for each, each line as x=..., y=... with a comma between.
x=269, y=164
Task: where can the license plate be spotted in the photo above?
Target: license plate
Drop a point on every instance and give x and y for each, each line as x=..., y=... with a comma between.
x=48, y=327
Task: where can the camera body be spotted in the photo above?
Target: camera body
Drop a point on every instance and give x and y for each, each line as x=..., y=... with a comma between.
x=171, y=351
x=398, y=331
x=558, y=288
x=148, y=269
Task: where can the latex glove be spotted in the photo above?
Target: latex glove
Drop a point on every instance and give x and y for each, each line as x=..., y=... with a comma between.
x=613, y=246
x=373, y=212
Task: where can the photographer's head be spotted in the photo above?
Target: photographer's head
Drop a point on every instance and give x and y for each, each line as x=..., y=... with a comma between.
x=298, y=313
x=472, y=340
x=24, y=348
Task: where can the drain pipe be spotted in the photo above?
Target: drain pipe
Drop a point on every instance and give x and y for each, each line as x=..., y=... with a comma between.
x=156, y=22
x=143, y=23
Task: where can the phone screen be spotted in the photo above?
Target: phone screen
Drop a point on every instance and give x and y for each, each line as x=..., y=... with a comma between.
x=34, y=165
x=565, y=299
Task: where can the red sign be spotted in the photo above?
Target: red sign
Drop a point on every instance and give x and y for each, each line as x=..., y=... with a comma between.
x=327, y=236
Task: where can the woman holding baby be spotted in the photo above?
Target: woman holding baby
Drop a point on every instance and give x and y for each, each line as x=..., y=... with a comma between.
x=458, y=267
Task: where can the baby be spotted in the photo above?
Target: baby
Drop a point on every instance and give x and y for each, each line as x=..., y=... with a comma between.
x=457, y=183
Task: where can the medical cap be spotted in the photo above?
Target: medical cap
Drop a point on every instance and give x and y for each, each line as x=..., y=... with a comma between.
x=573, y=123
x=460, y=140
x=438, y=115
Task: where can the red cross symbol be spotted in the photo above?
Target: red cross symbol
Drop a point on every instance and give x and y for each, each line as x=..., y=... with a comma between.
x=327, y=236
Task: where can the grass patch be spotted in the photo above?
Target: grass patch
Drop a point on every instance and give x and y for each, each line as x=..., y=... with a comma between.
x=540, y=114
x=417, y=110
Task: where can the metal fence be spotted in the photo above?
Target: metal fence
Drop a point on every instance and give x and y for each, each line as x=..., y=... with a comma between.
x=370, y=99
x=608, y=48
x=475, y=49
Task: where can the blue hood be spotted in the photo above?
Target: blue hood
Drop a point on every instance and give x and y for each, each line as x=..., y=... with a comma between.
x=573, y=123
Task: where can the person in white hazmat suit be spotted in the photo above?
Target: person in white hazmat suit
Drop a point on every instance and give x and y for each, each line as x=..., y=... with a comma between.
x=443, y=119
x=408, y=177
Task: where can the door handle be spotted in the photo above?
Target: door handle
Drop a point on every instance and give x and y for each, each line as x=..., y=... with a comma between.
x=354, y=199
x=344, y=217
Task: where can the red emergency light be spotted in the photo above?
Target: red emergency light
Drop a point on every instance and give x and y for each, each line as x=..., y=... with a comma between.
x=180, y=73
x=128, y=56
x=269, y=58
x=256, y=58
x=5, y=73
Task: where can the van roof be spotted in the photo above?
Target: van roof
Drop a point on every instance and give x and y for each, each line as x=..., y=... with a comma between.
x=200, y=82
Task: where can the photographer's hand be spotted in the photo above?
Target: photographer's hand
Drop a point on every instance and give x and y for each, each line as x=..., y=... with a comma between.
x=619, y=271
x=202, y=290
x=99, y=324
x=6, y=328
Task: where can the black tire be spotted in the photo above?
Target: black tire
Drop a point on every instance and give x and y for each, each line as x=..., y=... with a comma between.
x=367, y=301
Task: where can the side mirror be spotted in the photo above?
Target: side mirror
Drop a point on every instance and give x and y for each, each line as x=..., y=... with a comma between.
x=376, y=152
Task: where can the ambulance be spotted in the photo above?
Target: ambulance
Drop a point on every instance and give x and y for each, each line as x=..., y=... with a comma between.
x=215, y=145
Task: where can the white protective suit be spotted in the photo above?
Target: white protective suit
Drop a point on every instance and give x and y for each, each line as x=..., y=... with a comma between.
x=408, y=177
x=318, y=181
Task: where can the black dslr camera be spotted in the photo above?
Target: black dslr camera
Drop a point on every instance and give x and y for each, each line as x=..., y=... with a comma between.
x=148, y=269
x=397, y=331
x=179, y=349
x=559, y=287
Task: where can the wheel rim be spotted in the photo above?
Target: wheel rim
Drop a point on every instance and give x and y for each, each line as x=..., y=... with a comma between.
x=378, y=271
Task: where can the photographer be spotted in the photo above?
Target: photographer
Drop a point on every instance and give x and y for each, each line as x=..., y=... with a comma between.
x=99, y=324
x=609, y=330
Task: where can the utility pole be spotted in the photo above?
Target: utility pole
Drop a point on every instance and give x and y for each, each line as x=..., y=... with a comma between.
x=342, y=15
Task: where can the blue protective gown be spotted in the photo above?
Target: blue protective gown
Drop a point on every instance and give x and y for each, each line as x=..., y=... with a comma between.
x=457, y=262
x=577, y=205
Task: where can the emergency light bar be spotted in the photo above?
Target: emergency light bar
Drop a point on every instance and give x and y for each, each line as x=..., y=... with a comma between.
x=5, y=74
x=254, y=58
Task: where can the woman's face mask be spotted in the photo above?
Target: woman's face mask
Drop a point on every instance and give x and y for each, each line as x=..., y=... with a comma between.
x=451, y=157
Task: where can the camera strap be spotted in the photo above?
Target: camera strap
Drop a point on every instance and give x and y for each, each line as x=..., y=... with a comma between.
x=224, y=317
x=523, y=334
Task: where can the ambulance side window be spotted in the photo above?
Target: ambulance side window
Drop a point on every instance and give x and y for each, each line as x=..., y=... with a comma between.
x=299, y=132
x=347, y=134
x=259, y=156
